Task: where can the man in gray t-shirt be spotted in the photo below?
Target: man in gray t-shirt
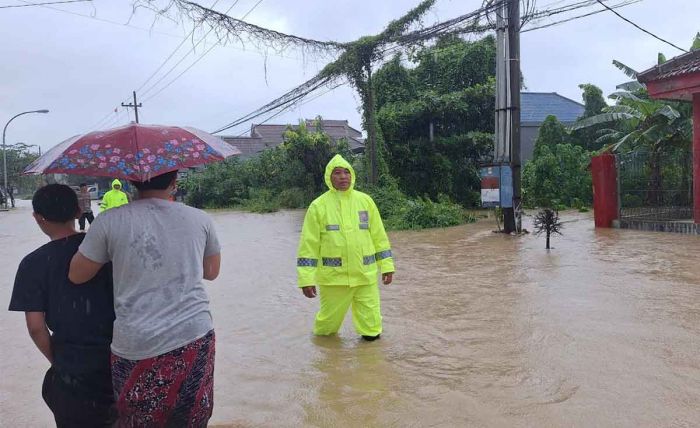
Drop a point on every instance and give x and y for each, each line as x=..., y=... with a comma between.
x=161, y=252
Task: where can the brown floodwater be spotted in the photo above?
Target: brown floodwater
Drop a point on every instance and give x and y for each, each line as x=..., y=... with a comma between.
x=481, y=330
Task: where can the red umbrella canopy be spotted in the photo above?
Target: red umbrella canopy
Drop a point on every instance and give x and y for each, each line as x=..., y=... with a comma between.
x=133, y=152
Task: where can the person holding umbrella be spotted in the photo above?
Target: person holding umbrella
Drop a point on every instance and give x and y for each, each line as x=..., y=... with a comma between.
x=163, y=328
x=162, y=352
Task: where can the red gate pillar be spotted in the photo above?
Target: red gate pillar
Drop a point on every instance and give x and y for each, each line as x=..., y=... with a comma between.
x=696, y=157
x=604, y=172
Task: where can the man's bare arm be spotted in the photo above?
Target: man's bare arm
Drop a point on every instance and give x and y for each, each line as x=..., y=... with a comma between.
x=36, y=326
x=212, y=265
x=82, y=269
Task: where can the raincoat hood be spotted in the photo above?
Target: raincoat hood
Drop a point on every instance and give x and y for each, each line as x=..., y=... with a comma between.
x=116, y=182
x=339, y=162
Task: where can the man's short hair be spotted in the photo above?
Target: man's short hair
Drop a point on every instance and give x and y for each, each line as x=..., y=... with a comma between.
x=159, y=182
x=56, y=203
x=82, y=185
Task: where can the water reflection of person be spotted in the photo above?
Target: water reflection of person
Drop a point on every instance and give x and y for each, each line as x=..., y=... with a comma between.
x=343, y=245
x=356, y=385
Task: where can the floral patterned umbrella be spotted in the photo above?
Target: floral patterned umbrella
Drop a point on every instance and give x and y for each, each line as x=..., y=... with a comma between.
x=133, y=152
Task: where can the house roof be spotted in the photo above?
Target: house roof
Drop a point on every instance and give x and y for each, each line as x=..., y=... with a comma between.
x=536, y=106
x=266, y=136
x=247, y=145
x=675, y=67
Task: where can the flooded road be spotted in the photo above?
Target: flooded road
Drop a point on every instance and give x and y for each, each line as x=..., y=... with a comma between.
x=481, y=330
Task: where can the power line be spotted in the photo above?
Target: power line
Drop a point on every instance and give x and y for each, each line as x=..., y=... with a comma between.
x=204, y=54
x=292, y=106
x=251, y=9
x=585, y=15
x=194, y=28
x=640, y=28
x=153, y=31
x=42, y=4
x=150, y=88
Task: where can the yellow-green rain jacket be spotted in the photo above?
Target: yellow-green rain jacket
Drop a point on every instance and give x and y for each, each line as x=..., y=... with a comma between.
x=343, y=241
x=114, y=198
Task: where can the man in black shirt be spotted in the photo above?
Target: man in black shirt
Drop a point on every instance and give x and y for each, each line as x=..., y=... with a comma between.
x=71, y=325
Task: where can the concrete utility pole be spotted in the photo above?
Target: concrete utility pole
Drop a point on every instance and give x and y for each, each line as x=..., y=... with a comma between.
x=135, y=106
x=515, y=84
x=507, y=115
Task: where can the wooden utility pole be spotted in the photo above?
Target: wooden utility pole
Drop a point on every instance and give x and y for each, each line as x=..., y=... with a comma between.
x=135, y=107
x=511, y=215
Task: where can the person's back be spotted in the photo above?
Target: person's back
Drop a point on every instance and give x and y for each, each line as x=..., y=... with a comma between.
x=161, y=253
x=156, y=247
x=78, y=386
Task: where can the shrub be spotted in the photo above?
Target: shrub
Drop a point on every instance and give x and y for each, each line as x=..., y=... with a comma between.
x=400, y=212
x=262, y=201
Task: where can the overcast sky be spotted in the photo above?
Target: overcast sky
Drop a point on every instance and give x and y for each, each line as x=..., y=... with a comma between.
x=82, y=68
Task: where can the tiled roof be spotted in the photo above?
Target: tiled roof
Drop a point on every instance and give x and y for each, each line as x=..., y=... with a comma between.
x=681, y=65
x=266, y=136
x=247, y=145
x=536, y=106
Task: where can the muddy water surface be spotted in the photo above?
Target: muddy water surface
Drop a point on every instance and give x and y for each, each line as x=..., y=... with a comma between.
x=480, y=330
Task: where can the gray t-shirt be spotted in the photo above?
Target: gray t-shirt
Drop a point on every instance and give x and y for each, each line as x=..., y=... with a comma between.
x=157, y=249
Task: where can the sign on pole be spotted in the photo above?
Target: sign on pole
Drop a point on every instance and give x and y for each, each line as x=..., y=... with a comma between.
x=497, y=186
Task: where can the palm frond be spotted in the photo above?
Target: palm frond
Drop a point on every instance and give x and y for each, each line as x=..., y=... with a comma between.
x=620, y=95
x=631, y=137
x=669, y=112
x=600, y=119
x=631, y=86
x=622, y=108
x=629, y=71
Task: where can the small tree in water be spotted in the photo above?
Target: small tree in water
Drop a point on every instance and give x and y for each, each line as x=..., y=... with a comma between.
x=547, y=221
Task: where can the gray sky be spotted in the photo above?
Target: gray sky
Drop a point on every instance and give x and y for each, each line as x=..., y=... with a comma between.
x=82, y=68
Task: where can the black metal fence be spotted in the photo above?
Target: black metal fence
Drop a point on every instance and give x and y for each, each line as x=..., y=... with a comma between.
x=655, y=186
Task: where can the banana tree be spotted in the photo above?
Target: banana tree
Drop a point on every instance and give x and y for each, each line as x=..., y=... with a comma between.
x=637, y=122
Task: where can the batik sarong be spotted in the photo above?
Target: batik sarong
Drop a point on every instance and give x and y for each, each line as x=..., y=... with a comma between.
x=173, y=389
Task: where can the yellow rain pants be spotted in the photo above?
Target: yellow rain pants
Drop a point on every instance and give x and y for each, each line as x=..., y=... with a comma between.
x=335, y=301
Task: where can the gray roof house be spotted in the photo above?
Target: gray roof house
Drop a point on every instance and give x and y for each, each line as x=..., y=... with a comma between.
x=534, y=109
x=266, y=136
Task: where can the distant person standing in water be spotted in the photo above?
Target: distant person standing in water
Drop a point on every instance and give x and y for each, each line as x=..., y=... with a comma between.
x=343, y=248
x=11, y=195
x=71, y=326
x=115, y=197
x=85, y=203
x=163, y=346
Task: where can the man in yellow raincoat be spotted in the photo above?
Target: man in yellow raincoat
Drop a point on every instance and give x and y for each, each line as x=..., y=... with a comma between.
x=342, y=249
x=115, y=197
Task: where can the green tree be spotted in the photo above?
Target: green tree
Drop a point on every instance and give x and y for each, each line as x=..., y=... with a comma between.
x=557, y=174
x=594, y=104
x=696, y=43
x=18, y=158
x=557, y=177
x=287, y=176
x=551, y=133
x=449, y=89
x=592, y=99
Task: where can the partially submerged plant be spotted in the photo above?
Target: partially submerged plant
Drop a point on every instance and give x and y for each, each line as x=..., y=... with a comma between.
x=547, y=221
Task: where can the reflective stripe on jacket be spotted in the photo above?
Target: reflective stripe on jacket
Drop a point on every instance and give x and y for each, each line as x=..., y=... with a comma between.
x=343, y=241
